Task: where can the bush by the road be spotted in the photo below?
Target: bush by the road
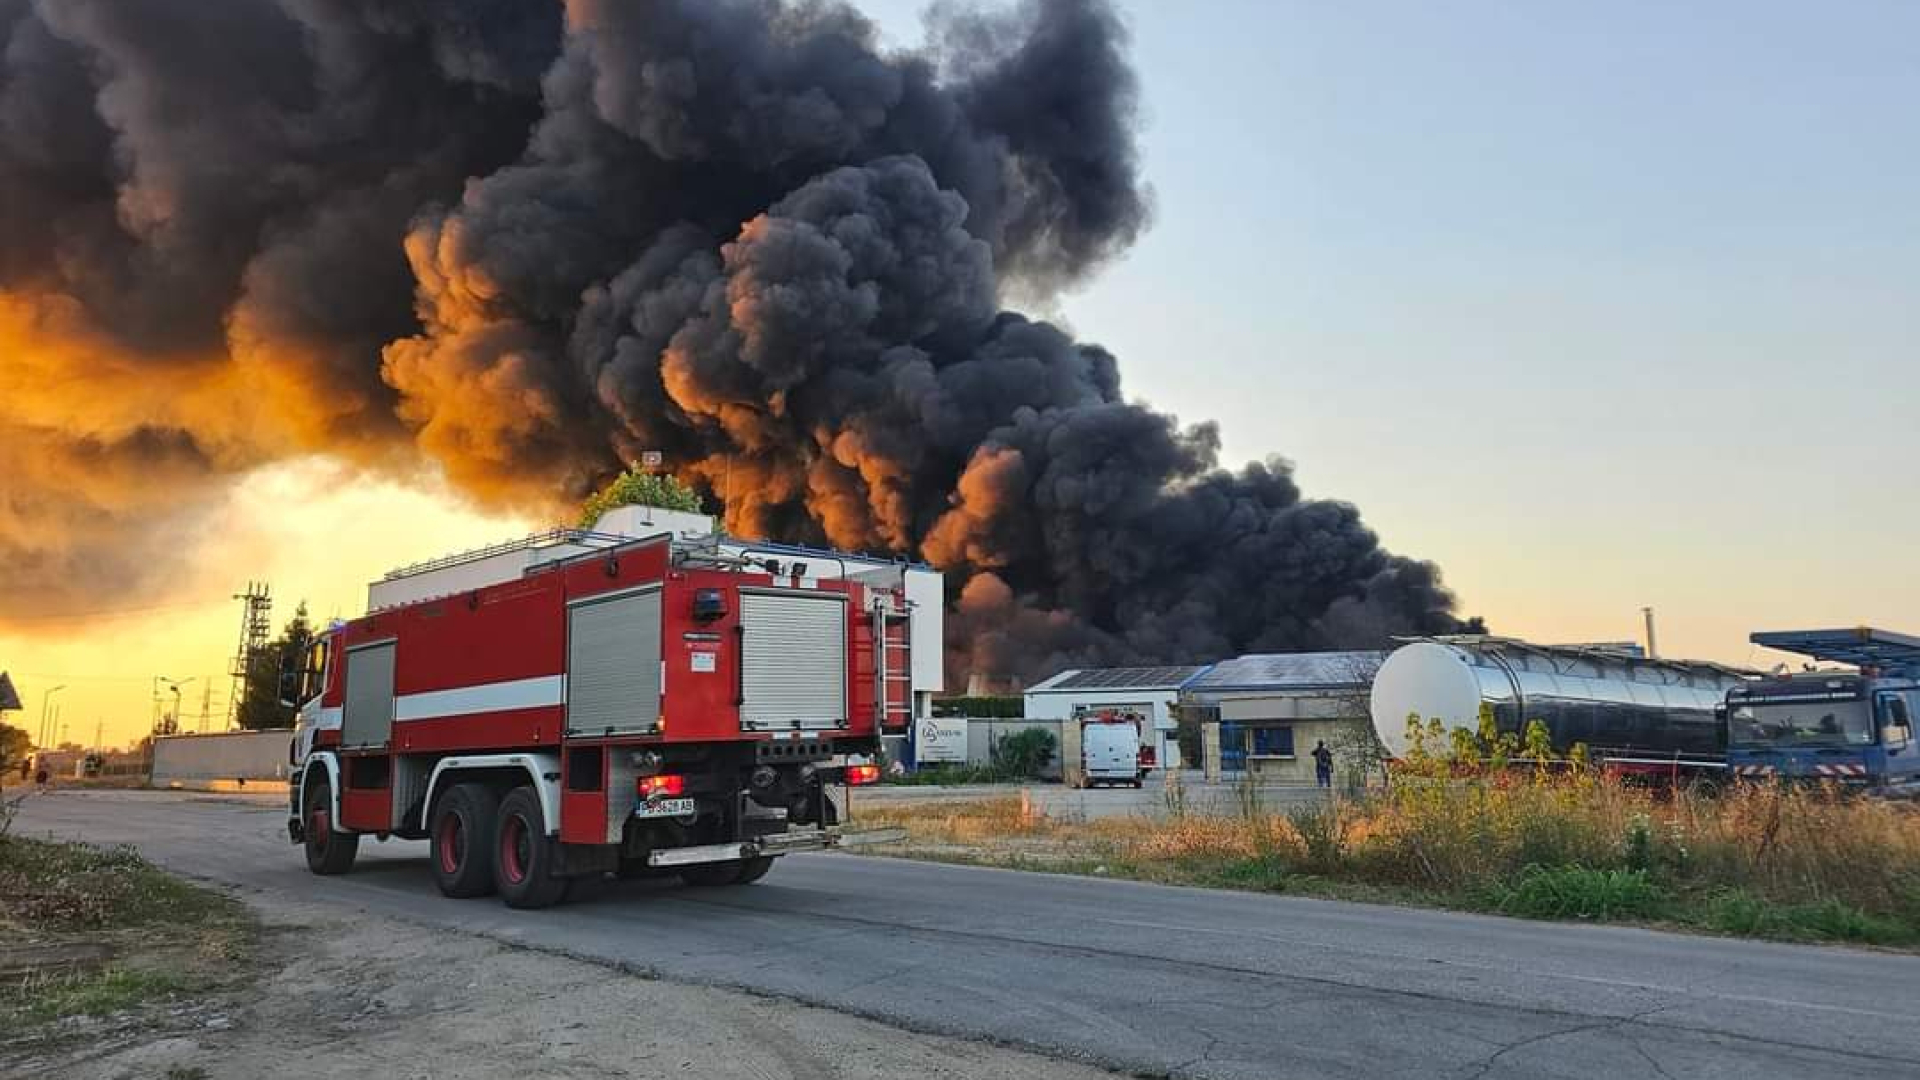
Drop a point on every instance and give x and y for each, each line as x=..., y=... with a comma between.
x=1807, y=864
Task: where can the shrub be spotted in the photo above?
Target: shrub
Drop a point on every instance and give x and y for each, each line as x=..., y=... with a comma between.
x=636, y=488
x=1023, y=754
x=1321, y=834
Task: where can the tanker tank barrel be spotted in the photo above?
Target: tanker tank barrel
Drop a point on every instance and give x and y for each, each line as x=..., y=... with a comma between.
x=1607, y=697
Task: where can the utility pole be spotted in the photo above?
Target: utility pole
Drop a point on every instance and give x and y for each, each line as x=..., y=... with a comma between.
x=256, y=629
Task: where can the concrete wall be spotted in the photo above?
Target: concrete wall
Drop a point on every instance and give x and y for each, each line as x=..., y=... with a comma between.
x=982, y=731
x=200, y=760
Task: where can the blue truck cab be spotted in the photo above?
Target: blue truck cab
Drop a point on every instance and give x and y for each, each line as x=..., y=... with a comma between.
x=1855, y=728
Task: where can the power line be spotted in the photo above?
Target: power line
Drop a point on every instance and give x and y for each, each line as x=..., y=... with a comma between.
x=81, y=678
x=110, y=613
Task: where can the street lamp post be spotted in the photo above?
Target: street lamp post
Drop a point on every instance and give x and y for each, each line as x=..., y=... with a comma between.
x=173, y=685
x=46, y=730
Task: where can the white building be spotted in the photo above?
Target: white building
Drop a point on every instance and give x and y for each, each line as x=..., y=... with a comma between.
x=1152, y=691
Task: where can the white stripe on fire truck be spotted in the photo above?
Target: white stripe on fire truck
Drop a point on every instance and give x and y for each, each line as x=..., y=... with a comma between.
x=492, y=697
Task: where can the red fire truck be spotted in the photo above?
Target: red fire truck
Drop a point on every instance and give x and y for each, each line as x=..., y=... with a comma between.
x=582, y=703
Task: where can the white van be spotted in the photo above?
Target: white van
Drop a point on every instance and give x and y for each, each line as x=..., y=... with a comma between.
x=1110, y=751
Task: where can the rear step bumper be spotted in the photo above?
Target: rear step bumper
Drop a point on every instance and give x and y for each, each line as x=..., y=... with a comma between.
x=782, y=844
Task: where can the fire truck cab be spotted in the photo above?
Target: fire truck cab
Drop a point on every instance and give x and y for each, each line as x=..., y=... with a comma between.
x=644, y=697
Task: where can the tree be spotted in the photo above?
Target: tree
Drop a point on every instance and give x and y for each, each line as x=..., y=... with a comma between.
x=260, y=706
x=15, y=746
x=637, y=488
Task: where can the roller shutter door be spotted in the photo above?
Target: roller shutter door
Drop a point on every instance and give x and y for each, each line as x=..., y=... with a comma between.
x=793, y=654
x=613, y=664
x=367, y=718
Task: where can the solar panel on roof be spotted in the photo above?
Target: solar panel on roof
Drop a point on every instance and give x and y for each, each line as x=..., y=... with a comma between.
x=1280, y=670
x=1125, y=678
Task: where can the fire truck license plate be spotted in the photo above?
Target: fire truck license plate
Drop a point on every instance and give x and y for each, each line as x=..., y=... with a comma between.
x=663, y=808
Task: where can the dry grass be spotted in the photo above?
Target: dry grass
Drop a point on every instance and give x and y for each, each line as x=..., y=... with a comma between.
x=1794, y=863
x=162, y=937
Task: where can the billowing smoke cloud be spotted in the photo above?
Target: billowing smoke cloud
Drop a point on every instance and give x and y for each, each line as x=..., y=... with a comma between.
x=522, y=242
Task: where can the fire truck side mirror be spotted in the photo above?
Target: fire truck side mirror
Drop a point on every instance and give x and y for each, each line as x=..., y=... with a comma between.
x=290, y=672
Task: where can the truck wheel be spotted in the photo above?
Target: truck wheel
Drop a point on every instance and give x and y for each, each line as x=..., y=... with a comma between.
x=328, y=851
x=462, y=840
x=752, y=870
x=731, y=872
x=524, y=854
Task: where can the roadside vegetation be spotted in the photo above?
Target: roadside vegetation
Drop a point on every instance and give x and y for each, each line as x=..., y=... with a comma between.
x=1555, y=841
x=87, y=931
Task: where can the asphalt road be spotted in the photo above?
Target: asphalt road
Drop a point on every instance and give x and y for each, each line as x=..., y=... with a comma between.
x=1142, y=978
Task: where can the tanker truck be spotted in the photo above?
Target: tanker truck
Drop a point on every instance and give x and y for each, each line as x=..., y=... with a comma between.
x=1853, y=727
x=643, y=697
x=1635, y=714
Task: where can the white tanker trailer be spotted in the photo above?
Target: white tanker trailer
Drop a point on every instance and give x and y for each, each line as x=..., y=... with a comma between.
x=1628, y=709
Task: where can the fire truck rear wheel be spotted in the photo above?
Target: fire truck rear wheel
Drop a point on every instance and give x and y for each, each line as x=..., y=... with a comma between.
x=732, y=872
x=524, y=854
x=462, y=840
x=329, y=851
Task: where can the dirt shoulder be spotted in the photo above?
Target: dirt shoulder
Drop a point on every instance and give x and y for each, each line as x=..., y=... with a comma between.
x=332, y=995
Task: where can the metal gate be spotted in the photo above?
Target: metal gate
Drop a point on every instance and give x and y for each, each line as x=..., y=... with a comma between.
x=613, y=664
x=793, y=660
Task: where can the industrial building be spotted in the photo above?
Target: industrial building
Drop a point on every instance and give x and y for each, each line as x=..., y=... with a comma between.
x=1263, y=713
x=1152, y=691
x=1260, y=713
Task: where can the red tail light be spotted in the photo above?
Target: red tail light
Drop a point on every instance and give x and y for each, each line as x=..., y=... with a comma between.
x=863, y=774
x=657, y=786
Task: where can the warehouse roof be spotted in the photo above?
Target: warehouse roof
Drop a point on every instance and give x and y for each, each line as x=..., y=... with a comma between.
x=1119, y=678
x=1291, y=671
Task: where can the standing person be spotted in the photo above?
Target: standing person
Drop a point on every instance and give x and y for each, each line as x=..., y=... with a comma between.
x=1322, y=764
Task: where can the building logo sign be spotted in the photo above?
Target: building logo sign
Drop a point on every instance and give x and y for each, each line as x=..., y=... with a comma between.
x=940, y=739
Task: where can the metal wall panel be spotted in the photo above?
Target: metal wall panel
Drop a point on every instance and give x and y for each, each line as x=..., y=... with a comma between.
x=367, y=719
x=794, y=660
x=613, y=664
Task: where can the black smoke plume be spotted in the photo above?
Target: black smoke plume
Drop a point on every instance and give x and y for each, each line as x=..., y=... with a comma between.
x=522, y=241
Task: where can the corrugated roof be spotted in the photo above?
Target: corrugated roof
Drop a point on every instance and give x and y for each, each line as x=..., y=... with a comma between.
x=1120, y=678
x=1285, y=671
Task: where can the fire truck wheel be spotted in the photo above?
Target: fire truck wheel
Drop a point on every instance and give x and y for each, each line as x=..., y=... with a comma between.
x=328, y=851
x=462, y=840
x=524, y=854
x=732, y=872
x=753, y=870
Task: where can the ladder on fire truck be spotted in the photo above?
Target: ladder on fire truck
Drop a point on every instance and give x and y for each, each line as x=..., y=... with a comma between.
x=892, y=660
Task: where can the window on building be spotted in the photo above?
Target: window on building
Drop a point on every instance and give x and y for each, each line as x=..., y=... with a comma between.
x=1271, y=741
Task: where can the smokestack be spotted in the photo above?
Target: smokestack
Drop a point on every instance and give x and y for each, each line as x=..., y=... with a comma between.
x=520, y=243
x=1653, y=646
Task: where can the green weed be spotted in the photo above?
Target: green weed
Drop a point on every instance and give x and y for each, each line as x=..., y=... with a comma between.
x=1575, y=892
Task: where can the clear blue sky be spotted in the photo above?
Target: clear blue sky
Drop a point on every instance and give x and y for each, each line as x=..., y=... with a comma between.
x=1598, y=305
